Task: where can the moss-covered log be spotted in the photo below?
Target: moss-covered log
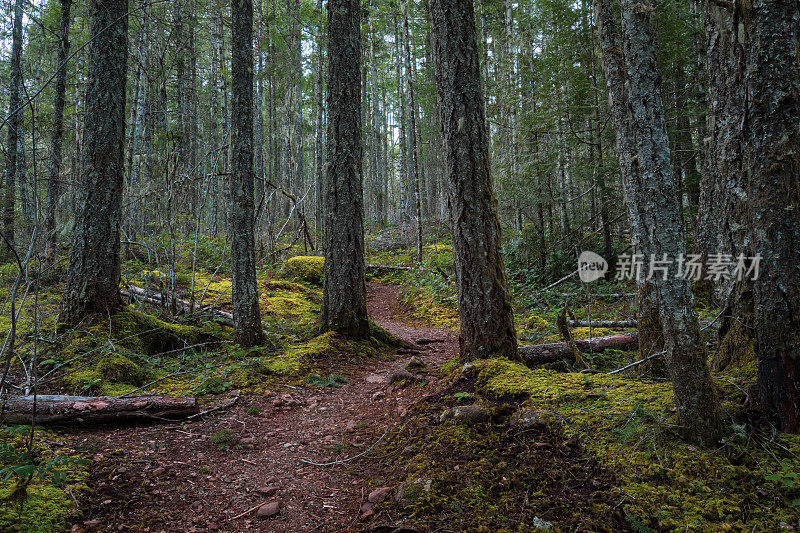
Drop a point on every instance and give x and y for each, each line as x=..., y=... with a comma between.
x=550, y=353
x=61, y=409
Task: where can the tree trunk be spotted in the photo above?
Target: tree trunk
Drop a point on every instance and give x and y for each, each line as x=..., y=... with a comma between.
x=662, y=233
x=94, y=269
x=53, y=185
x=487, y=319
x=652, y=338
x=540, y=354
x=14, y=167
x=319, y=146
x=344, y=306
x=412, y=135
x=772, y=163
x=246, y=315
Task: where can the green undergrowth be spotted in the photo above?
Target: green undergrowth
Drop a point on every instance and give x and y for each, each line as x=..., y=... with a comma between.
x=42, y=497
x=628, y=425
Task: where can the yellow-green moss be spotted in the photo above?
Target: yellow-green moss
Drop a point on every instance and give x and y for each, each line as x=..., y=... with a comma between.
x=120, y=369
x=628, y=424
x=306, y=268
x=46, y=508
x=538, y=324
x=583, y=333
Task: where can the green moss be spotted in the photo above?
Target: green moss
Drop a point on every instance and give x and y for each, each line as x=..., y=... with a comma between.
x=628, y=425
x=584, y=333
x=306, y=268
x=120, y=369
x=538, y=324
x=41, y=506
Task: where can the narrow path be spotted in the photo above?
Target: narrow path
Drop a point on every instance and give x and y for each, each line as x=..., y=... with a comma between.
x=174, y=478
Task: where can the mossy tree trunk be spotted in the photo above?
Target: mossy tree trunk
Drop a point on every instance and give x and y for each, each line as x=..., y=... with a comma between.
x=14, y=164
x=487, y=319
x=651, y=337
x=772, y=162
x=344, y=305
x=94, y=270
x=723, y=216
x=654, y=207
x=246, y=315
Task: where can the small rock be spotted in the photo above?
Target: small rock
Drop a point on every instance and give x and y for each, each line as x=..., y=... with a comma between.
x=529, y=418
x=268, y=393
x=121, y=470
x=378, y=395
x=415, y=363
x=92, y=523
x=268, y=491
x=76, y=529
x=465, y=414
x=293, y=403
x=268, y=509
x=248, y=442
x=277, y=402
x=197, y=506
x=377, y=378
x=378, y=495
x=351, y=426
x=158, y=471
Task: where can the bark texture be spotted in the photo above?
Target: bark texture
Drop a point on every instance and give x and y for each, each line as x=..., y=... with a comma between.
x=655, y=198
x=53, y=184
x=246, y=315
x=651, y=336
x=94, y=269
x=344, y=305
x=14, y=164
x=487, y=320
x=59, y=409
x=772, y=162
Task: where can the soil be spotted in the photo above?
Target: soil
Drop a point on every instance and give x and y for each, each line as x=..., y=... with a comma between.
x=175, y=477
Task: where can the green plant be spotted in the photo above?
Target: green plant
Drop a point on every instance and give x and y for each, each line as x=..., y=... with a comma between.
x=464, y=396
x=225, y=438
x=213, y=385
x=254, y=410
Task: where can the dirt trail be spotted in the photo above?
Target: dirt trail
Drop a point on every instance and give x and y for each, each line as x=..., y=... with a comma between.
x=174, y=478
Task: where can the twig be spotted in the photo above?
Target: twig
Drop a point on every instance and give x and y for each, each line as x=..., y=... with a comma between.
x=224, y=405
x=349, y=458
x=247, y=511
x=639, y=362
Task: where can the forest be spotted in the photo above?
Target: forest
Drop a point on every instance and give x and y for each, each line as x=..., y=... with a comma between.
x=399, y=266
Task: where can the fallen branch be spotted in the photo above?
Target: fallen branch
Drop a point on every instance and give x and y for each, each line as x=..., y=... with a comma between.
x=550, y=353
x=602, y=324
x=56, y=408
x=226, y=404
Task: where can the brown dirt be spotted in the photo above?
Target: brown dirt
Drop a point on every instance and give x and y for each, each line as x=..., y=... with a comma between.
x=172, y=477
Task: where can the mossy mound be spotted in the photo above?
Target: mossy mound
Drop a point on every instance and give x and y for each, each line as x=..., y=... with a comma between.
x=308, y=268
x=120, y=369
x=490, y=477
x=331, y=349
x=585, y=333
x=629, y=426
x=428, y=306
x=111, y=356
x=538, y=324
x=290, y=307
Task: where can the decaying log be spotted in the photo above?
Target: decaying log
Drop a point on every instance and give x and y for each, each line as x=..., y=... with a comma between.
x=56, y=408
x=549, y=353
x=602, y=324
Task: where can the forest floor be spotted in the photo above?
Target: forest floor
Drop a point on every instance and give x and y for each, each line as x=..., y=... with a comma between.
x=175, y=477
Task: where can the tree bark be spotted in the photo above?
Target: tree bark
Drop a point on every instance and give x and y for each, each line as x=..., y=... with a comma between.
x=57, y=409
x=344, y=306
x=246, y=315
x=487, y=319
x=94, y=271
x=653, y=195
x=53, y=182
x=540, y=354
x=14, y=166
x=772, y=163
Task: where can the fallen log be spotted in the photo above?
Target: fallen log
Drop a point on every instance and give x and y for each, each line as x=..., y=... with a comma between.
x=57, y=408
x=539, y=354
x=602, y=324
